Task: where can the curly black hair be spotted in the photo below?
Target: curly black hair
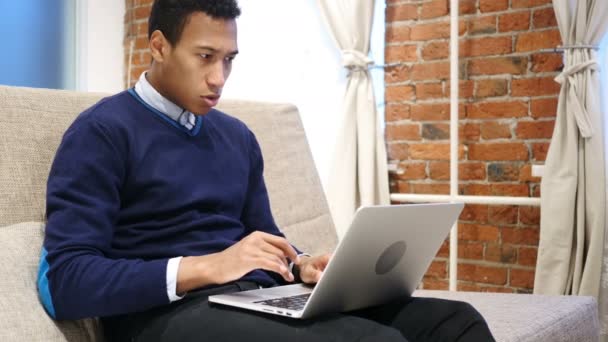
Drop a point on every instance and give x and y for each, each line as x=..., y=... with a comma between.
x=170, y=16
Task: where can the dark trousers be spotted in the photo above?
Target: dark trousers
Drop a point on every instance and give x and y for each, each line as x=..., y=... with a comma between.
x=195, y=319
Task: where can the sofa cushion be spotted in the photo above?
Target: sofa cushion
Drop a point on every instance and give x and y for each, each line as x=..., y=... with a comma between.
x=531, y=318
x=22, y=317
x=32, y=122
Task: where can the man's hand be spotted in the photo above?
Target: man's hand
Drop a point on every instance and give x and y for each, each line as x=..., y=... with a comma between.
x=258, y=250
x=311, y=268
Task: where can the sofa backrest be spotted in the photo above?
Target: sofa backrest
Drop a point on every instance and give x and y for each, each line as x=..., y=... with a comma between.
x=32, y=123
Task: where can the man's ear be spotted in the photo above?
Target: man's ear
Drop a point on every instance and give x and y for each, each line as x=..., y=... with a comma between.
x=159, y=46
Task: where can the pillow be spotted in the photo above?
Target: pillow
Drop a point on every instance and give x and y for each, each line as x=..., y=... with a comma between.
x=22, y=316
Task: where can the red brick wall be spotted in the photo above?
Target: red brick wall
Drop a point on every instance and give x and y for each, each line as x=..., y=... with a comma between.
x=508, y=101
x=136, y=29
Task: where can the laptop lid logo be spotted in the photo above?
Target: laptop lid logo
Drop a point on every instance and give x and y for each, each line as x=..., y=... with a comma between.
x=390, y=257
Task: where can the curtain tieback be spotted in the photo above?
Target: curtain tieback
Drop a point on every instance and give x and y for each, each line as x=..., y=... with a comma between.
x=354, y=60
x=574, y=101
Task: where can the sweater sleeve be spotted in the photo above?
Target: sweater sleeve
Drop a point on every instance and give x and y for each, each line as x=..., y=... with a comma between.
x=257, y=214
x=76, y=278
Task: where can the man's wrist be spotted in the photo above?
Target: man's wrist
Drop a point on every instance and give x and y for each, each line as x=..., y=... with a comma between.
x=295, y=269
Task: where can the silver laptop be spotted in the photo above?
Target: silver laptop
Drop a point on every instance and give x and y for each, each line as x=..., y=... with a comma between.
x=383, y=255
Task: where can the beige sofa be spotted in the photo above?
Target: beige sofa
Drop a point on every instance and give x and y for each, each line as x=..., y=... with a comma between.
x=32, y=122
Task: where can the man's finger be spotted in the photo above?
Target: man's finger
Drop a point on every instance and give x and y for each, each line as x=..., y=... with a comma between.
x=283, y=245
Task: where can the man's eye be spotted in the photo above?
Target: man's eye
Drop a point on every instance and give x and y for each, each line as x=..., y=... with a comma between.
x=229, y=59
x=205, y=56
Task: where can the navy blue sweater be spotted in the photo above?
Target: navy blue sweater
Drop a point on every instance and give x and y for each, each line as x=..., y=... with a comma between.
x=129, y=189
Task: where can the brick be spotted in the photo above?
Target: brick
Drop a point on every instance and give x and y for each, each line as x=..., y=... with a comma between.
x=493, y=5
x=475, y=212
x=482, y=25
x=465, y=89
x=500, y=65
x=469, y=132
x=433, y=189
x=503, y=172
x=467, y=7
x=444, y=250
x=434, y=284
x=536, y=40
x=411, y=171
x=396, y=74
x=476, y=190
x=477, y=232
x=520, y=236
x=491, y=88
x=471, y=171
x=431, y=71
x=535, y=129
x=518, y=21
x=141, y=43
x=398, y=151
x=438, y=111
x=529, y=215
x=437, y=269
x=544, y=17
x=435, y=131
x=399, y=93
x=470, y=250
x=543, y=108
x=525, y=174
x=495, y=130
x=528, y=3
x=403, y=187
x=468, y=287
x=522, y=278
x=537, y=86
x=436, y=50
x=401, y=53
x=439, y=170
x=397, y=33
x=425, y=91
x=400, y=12
x=535, y=190
x=539, y=151
x=434, y=9
x=497, y=110
x=396, y=112
x=141, y=12
x=515, y=190
x=402, y=132
x=527, y=256
x=503, y=214
x=466, y=171
x=430, y=151
x=482, y=274
x=547, y=62
x=485, y=46
x=500, y=253
x=423, y=32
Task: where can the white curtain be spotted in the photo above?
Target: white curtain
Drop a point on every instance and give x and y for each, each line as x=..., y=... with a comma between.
x=573, y=195
x=358, y=175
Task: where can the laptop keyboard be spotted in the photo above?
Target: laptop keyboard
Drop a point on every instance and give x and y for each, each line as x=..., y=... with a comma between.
x=291, y=303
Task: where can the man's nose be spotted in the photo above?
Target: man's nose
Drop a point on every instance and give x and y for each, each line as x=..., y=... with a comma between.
x=217, y=77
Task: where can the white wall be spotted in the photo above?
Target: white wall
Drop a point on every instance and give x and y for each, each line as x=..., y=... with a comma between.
x=286, y=54
x=99, y=33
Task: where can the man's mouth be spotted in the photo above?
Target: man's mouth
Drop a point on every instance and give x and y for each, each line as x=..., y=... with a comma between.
x=211, y=100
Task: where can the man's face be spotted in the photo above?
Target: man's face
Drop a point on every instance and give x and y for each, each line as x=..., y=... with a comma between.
x=195, y=69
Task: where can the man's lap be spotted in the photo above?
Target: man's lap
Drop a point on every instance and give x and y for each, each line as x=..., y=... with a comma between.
x=195, y=319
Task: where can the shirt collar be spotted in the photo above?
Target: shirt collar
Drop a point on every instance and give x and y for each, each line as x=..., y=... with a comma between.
x=151, y=96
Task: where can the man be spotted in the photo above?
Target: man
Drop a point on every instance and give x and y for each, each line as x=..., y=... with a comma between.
x=156, y=201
